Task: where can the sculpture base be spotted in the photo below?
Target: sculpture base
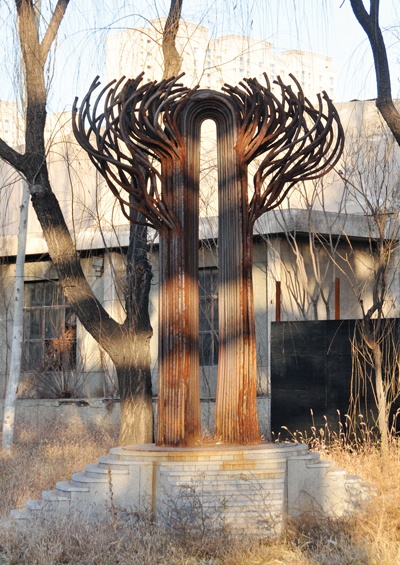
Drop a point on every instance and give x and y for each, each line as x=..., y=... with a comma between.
x=250, y=489
x=240, y=487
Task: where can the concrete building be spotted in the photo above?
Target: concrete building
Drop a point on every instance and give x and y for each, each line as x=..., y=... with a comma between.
x=211, y=62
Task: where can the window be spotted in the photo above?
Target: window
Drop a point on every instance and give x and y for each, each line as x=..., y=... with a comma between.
x=208, y=300
x=49, y=328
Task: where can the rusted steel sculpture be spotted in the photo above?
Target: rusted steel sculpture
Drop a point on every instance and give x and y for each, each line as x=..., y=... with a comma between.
x=145, y=141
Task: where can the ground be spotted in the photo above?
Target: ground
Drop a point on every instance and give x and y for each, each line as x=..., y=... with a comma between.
x=43, y=457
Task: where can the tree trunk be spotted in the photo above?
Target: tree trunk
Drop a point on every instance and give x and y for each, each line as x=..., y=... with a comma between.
x=133, y=368
x=380, y=397
x=18, y=328
x=134, y=380
x=172, y=59
x=128, y=344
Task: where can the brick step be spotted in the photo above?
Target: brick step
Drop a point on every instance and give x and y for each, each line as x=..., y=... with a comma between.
x=207, y=467
x=247, y=517
x=206, y=457
x=122, y=454
x=213, y=495
x=210, y=492
x=228, y=492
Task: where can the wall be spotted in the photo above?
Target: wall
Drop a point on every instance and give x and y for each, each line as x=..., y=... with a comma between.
x=311, y=369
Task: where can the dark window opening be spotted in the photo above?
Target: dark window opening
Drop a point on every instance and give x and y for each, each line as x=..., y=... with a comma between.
x=49, y=329
x=208, y=301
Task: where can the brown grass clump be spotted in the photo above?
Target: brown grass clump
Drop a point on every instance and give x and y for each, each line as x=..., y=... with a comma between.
x=41, y=458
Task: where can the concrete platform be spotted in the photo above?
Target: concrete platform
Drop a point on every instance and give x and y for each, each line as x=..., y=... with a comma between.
x=251, y=489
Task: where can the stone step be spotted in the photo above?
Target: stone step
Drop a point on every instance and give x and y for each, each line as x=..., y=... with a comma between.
x=323, y=463
x=22, y=514
x=35, y=505
x=64, y=487
x=110, y=460
x=336, y=472
x=95, y=470
x=353, y=479
x=81, y=479
x=52, y=496
x=312, y=457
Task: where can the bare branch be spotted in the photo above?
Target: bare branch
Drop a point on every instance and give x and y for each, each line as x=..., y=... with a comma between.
x=172, y=59
x=384, y=101
x=12, y=157
x=53, y=27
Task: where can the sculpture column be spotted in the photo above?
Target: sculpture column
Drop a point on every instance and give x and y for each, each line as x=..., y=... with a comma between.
x=178, y=365
x=236, y=403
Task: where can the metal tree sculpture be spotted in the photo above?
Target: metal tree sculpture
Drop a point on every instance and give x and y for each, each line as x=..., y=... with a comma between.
x=145, y=141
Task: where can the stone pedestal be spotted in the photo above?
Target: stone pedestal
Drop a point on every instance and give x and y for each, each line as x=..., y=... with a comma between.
x=241, y=487
x=251, y=489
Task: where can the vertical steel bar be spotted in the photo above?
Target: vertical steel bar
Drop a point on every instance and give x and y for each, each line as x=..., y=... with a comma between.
x=337, y=298
x=277, y=301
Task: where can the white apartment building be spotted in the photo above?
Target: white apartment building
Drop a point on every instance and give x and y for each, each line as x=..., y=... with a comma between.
x=11, y=124
x=211, y=62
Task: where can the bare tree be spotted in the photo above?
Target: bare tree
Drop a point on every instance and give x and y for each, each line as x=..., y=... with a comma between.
x=126, y=343
x=369, y=21
x=304, y=262
x=372, y=176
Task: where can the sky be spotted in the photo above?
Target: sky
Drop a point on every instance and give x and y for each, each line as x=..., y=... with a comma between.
x=325, y=26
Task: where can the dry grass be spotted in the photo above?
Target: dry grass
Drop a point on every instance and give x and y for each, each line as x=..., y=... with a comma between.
x=43, y=458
